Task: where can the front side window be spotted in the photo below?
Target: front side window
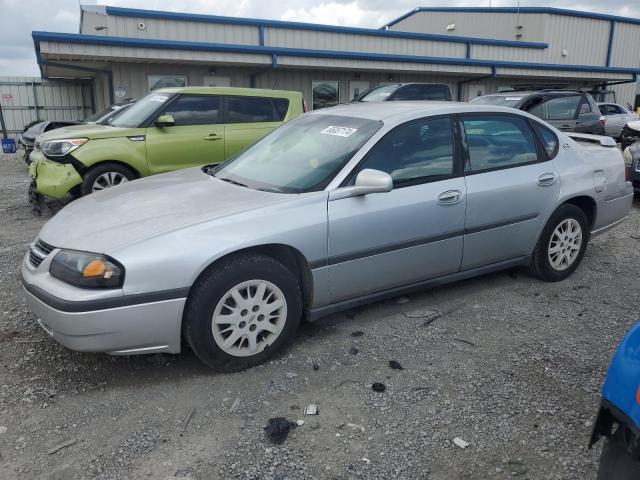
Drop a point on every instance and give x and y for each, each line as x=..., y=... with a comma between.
x=255, y=109
x=498, y=141
x=303, y=155
x=558, y=108
x=194, y=110
x=136, y=115
x=415, y=152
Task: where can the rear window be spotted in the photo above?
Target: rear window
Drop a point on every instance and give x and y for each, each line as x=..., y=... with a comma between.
x=498, y=100
x=422, y=92
x=256, y=109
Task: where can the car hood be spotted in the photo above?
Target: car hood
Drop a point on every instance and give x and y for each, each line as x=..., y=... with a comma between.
x=90, y=131
x=634, y=125
x=104, y=221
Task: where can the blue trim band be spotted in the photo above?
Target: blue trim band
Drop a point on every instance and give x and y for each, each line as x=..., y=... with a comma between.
x=544, y=10
x=301, y=52
x=612, y=32
x=192, y=17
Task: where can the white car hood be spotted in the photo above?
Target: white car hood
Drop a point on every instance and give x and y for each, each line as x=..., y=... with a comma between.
x=104, y=221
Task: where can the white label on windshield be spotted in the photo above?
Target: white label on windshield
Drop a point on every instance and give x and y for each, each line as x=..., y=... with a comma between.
x=513, y=99
x=159, y=98
x=339, y=131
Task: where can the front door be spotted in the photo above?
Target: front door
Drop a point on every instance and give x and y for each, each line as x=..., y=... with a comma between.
x=197, y=138
x=412, y=233
x=511, y=187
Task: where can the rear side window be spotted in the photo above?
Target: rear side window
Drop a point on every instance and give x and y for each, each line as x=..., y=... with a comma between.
x=415, y=152
x=256, y=109
x=498, y=142
x=421, y=92
x=195, y=110
x=585, y=107
x=558, y=108
x=547, y=138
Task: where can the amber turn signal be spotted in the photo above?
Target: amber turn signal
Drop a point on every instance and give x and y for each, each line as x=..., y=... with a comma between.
x=95, y=268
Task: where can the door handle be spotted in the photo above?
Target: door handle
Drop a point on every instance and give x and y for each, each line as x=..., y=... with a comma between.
x=213, y=137
x=450, y=197
x=547, y=179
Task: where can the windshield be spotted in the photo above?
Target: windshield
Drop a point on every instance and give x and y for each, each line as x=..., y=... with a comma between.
x=303, y=155
x=133, y=116
x=378, y=94
x=498, y=100
x=97, y=116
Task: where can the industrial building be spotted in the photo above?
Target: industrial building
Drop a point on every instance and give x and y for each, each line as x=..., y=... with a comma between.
x=129, y=52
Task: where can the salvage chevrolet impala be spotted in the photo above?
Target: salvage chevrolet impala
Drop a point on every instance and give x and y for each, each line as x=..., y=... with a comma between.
x=337, y=208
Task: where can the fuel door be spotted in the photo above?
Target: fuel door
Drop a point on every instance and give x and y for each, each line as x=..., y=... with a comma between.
x=599, y=180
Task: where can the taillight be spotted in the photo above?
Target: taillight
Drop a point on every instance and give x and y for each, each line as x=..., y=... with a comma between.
x=603, y=120
x=304, y=106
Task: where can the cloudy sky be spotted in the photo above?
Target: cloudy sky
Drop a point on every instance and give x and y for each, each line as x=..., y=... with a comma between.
x=20, y=17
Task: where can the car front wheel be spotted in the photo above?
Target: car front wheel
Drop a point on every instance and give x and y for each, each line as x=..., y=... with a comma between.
x=242, y=312
x=105, y=175
x=561, y=245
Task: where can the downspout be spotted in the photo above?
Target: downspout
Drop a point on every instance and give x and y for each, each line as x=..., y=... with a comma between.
x=469, y=80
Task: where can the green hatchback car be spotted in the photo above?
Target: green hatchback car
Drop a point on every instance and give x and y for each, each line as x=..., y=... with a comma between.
x=167, y=130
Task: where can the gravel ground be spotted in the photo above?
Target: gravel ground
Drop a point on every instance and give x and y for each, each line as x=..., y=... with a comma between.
x=513, y=367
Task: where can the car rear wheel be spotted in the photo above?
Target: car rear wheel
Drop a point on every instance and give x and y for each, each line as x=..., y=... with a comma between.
x=105, y=175
x=242, y=312
x=561, y=245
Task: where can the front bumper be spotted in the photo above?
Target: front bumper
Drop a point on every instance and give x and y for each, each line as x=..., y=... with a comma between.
x=118, y=325
x=52, y=179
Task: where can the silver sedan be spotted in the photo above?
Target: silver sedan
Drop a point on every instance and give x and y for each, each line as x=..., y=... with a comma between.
x=337, y=208
x=615, y=118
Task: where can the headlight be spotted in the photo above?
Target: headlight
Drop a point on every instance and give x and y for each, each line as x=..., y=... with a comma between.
x=59, y=148
x=87, y=270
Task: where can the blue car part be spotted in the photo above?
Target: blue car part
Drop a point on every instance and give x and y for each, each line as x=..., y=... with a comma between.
x=621, y=394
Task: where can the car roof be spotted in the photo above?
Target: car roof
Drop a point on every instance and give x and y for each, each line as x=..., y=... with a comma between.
x=250, y=92
x=399, y=111
x=524, y=93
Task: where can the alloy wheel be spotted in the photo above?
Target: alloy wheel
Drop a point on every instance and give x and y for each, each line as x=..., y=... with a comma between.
x=564, y=245
x=108, y=179
x=249, y=318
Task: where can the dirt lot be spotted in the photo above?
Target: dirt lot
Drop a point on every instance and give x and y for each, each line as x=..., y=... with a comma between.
x=513, y=367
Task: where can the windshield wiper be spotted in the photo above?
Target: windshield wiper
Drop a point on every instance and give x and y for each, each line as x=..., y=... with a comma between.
x=231, y=181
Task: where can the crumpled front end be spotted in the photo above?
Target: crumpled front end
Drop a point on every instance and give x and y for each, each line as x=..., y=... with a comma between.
x=53, y=179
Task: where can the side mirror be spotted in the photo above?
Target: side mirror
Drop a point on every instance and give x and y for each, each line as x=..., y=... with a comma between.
x=368, y=181
x=165, y=121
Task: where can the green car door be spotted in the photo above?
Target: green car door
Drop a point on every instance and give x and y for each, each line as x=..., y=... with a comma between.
x=247, y=119
x=187, y=133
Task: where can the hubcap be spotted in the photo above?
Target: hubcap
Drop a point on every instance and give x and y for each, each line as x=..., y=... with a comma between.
x=565, y=244
x=108, y=179
x=249, y=318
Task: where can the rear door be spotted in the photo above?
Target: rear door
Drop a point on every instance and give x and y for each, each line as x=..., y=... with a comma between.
x=412, y=233
x=248, y=119
x=197, y=138
x=559, y=111
x=512, y=186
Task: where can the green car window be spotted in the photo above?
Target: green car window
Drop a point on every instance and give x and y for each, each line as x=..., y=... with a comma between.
x=303, y=155
x=134, y=116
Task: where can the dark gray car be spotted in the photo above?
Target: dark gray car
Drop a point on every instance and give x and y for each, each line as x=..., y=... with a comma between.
x=567, y=110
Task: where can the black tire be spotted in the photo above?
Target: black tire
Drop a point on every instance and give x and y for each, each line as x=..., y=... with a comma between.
x=540, y=265
x=615, y=461
x=100, y=169
x=210, y=289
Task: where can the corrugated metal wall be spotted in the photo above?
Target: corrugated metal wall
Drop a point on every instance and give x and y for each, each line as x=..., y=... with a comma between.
x=26, y=99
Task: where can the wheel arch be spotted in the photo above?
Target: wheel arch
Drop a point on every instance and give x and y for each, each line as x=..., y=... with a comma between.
x=585, y=203
x=289, y=256
x=118, y=162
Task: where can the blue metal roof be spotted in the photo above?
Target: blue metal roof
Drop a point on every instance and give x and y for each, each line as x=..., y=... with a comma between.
x=193, y=17
x=543, y=10
x=301, y=52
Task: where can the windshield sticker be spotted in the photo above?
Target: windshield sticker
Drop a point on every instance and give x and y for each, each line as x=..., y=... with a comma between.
x=159, y=98
x=512, y=99
x=339, y=131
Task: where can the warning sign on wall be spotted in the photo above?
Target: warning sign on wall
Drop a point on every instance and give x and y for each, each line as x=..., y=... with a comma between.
x=7, y=99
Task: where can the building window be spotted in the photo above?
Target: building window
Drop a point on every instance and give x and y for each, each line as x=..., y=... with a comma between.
x=166, y=81
x=326, y=93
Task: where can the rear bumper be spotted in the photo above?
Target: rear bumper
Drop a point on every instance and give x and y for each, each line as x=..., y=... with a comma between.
x=52, y=179
x=116, y=326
